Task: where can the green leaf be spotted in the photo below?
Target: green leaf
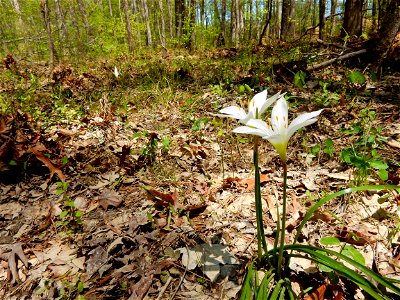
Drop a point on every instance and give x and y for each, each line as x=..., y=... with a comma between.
x=356, y=77
x=246, y=293
x=300, y=79
x=80, y=287
x=352, y=252
x=242, y=89
x=248, y=89
x=315, y=149
x=329, y=240
x=383, y=174
x=329, y=197
x=63, y=214
x=378, y=164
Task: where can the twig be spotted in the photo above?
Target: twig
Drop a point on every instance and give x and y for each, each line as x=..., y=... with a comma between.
x=328, y=62
x=183, y=277
x=164, y=288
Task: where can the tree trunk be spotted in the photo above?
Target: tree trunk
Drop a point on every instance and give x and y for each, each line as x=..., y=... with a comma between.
x=147, y=21
x=267, y=21
x=62, y=27
x=353, y=16
x=390, y=26
x=162, y=16
x=110, y=9
x=322, y=19
x=44, y=6
x=18, y=11
x=82, y=10
x=333, y=18
x=287, y=19
x=179, y=17
x=171, y=19
x=201, y=2
x=128, y=26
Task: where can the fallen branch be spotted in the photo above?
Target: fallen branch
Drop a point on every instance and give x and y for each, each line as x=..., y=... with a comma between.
x=331, y=61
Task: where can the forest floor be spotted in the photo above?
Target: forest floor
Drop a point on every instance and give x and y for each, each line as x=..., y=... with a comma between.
x=153, y=197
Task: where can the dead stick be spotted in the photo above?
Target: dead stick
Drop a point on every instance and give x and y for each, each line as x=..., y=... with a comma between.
x=342, y=57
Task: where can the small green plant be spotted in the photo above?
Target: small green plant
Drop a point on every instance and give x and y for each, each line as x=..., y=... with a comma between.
x=300, y=79
x=199, y=124
x=362, y=155
x=166, y=144
x=326, y=98
x=70, y=216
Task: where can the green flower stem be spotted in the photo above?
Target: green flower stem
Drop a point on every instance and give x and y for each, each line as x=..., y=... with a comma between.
x=262, y=244
x=283, y=229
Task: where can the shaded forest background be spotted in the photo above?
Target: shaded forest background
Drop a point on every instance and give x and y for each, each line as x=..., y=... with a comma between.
x=73, y=30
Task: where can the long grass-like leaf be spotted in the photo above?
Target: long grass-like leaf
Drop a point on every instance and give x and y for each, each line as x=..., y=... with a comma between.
x=247, y=284
x=276, y=291
x=329, y=197
x=340, y=267
x=263, y=290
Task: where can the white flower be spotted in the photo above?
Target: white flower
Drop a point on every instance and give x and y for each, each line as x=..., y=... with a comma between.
x=277, y=131
x=116, y=72
x=257, y=106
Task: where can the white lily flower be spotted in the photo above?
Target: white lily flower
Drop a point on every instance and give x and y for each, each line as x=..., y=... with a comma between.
x=257, y=106
x=116, y=72
x=277, y=131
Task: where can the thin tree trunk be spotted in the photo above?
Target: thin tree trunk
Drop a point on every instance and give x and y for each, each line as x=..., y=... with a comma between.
x=18, y=11
x=321, y=19
x=44, y=6
x=110, y=9
x=333, y=18
x=267, y=21
x=147, y=21
x=128, y=26
x=171, y=19
x=162, y=17
x=62, y=27
x=82, y=10
x=287, y=18
x=179, y=17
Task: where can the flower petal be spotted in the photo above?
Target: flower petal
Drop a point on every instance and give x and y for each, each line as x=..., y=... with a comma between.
x=279, y=116
x=302, y=121
x=249, y=130
x=259, y=124
x=269, y=102
x=232, y=112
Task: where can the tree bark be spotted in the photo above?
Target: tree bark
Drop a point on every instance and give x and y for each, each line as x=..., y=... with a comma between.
x=44, y=6
x=128, y=26
x=179, y=17
x=322, y=19
x=390, y=26
x=353, y=16
x=162, y=16
x=170, y=18
x=287, y=24
x=267, y=21
x=333, y=19
x=110, y=9
x=147, y=21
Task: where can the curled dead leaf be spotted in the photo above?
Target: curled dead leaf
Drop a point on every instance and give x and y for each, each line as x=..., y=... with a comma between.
x=37, y=150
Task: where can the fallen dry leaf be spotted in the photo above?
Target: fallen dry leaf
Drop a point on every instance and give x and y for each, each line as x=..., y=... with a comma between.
x=249, y=183
x=16, y=252
x=39, y=155
x=164, y=199
x=318, y=294
x=109, y=198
